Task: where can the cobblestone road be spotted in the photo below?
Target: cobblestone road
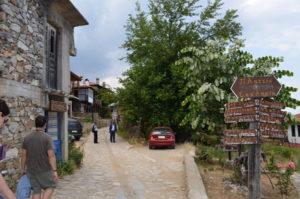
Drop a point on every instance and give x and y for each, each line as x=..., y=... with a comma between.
x=296, y=181
x=120, y=171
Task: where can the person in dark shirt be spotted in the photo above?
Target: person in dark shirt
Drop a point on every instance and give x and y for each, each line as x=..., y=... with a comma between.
x=38, y=160
x=112, y=130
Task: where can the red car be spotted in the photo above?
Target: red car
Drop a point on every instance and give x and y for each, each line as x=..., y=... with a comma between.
x=162, y=136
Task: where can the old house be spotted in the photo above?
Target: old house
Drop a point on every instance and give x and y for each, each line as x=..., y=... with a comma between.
x=294, y=134
x=86, y=91
x=36, y=39
x=74, y=102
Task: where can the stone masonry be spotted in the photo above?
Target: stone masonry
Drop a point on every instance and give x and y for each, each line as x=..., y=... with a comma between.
x=23, y=68
x=21, y=60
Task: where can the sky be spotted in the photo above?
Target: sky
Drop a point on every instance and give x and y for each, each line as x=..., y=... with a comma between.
x=270, y=28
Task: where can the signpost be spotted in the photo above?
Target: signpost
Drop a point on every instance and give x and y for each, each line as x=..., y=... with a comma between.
x=265, y=122
x=256, y=87
x=57, y=106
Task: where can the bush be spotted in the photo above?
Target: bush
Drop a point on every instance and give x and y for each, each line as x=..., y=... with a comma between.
x=88, y=119
x=206, y=154
x=282, y=154
x=74, y=162
x=203, y=154
x=284, y=183
x=205, y=139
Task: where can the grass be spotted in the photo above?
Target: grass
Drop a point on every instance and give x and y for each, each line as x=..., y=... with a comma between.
x=131, y=140
x=74, y=162
x=283, y=154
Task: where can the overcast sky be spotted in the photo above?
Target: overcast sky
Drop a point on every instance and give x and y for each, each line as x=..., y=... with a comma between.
x=270, y=27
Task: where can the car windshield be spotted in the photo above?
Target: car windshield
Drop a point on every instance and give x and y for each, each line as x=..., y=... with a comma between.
x=74, y=125
x=161, y=131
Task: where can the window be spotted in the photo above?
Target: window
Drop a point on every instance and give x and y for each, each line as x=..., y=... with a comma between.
x=298, y=130
x=51, y=56
x=293, y=131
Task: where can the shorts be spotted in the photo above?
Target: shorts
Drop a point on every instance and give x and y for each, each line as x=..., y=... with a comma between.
x=43, y=180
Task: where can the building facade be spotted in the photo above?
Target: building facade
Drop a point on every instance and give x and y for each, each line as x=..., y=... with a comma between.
x=36, y=39
x=294, y=133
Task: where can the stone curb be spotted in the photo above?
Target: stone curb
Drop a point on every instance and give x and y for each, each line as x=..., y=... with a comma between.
x=195, y=186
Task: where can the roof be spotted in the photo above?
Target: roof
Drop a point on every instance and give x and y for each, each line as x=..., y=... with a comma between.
x=86, y=84
x=69, y=11
x=75, y=77
x=297, y=116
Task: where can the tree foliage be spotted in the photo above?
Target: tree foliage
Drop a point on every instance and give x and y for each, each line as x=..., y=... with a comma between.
x=154, y=87
x=107, y=97
x=212, y=70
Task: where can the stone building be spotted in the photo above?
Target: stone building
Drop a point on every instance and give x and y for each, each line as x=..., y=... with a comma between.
x=36, y=39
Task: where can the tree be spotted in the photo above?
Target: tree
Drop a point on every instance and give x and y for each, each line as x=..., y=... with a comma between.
x=210, y=73
x=107, y=97
x=154, y=86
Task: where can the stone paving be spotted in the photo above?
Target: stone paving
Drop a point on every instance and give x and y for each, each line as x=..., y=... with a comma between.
x=121, y=171
x=296, y=181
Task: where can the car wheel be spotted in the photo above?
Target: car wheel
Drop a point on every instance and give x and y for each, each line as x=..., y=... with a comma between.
x=150, y=147
x=77, y=138
x=173, y=147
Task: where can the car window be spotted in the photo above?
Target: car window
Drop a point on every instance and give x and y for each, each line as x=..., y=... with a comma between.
x=161, y=131
x=75, y=125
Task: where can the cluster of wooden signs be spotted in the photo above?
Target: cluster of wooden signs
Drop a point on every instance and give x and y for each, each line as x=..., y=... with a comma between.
x=266, y=114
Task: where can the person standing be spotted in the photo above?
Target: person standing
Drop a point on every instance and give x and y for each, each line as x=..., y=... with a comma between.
x=38, y=160
x=95, y=131
x=4, y=112
x=112, y=130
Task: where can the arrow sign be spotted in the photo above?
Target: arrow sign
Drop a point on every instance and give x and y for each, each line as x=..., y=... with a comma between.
x=256, y=87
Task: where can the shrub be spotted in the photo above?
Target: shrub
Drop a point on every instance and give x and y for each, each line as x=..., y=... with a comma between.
x=88, y=119
x=205, y=139
x=74, y=162
x=203, y=154
x=284, y=183
x=206, y=154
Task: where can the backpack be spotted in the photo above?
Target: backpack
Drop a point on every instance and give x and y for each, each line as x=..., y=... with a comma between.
x=24, y=187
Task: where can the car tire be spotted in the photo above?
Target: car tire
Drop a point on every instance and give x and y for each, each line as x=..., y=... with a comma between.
x=173, y=147
x=77, y=138
x=150, y=147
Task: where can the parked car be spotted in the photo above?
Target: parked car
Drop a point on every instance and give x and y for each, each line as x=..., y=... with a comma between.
x=74, y=128
x=162, y=137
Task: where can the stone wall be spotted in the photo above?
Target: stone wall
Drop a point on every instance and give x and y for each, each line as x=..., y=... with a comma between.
x=21, y=122
x=22, y=25
x=22, y=41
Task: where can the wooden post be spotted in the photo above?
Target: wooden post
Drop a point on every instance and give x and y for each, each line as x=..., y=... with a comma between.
x=254, y=172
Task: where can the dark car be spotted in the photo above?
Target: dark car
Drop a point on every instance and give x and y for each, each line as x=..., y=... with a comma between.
x=75, y=128
x=162, y=137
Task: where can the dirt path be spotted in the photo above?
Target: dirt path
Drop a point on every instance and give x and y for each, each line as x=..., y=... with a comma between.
x=121, y=171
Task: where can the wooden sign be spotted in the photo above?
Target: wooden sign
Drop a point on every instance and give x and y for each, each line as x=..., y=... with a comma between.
x=245, y=140
x=272, y=112
x=241, y=111
x=242, y=118
x=271, y=127
x=240, y=133
x=57, y=106
x=270, y=134
x=274, y=105
x=239, y=105
x=269, y=119
x=271, y=141
x=256, y=87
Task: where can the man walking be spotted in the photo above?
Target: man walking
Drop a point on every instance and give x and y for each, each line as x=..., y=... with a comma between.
x=112, y=130
x=38, y=160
